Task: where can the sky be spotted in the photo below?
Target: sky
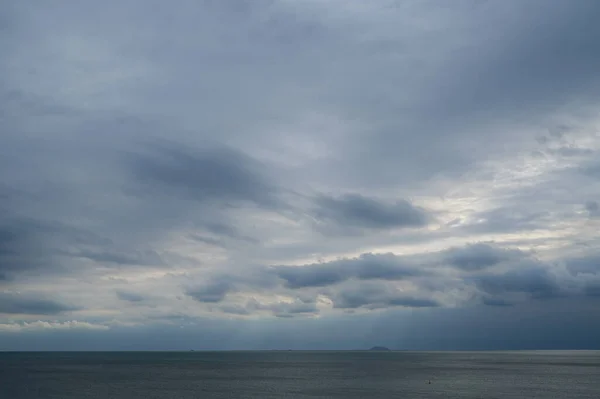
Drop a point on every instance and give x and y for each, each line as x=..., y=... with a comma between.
x=304, y=174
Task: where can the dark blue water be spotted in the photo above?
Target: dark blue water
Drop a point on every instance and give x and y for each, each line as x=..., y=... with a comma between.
x=174, y=375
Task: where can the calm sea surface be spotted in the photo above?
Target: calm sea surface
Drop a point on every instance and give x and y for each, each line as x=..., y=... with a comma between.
x=175, y=375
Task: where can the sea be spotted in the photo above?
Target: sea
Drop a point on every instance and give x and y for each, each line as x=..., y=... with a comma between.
x=300, y=374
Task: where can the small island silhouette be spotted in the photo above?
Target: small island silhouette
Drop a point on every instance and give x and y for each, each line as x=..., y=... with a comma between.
x=379, y=348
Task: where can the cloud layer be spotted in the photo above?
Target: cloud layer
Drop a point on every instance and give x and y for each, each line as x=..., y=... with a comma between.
x=278, y=166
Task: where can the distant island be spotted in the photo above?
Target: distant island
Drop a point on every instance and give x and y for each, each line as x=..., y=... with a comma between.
x=379, y=348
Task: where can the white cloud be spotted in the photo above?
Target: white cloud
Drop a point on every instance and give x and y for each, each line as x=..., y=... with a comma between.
x=50, y=325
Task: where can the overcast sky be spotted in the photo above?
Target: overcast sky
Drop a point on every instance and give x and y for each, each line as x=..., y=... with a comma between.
x=299, y=174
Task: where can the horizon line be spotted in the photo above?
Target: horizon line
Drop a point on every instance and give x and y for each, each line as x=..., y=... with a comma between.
x=294, y=350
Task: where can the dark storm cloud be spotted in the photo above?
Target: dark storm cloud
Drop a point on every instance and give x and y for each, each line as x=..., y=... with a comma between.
x=592, y=289
x=315, y=276
x=373, y=297
x=207, y=240
x=480, y=256
x=589, y=264
x=49, y=239
x=221, y=234
x=591, y=169
x=8, y=238
x=21, y=304
x=299, y=306
x=284, y=309
x=546, y=42
x=212, y=292
x=495, y=302
x=216, y=287
x=497, y=276
x=533, y=280
x=129, y=296
x=146, y=258
x=593, y=208
x=365, y=267
x=224, y=230
x=48, y=247
x=566, y=152
x=490, y=84
x=32, y=244
x=355, y=210
x=219, y=174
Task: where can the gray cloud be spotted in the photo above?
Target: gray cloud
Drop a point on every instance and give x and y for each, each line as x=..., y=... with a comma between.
x=285, y=309
x=34, y=244
x=593, y=208
x=445, y=96
x=480, y=256
x=506, y=219
x=497, y=276
x=495, y=302
x=533, y=280
x=223, y=235
x=591, y=169
x=299, y=306
x=377, y=296
x=22, y=304
x=221, y=229
x=355, y=210
x=208, y=174
x=593, y=290
x=365, y=267
x=129, y=296
x=589, y=264
x=212, y=292
x=148, y=258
